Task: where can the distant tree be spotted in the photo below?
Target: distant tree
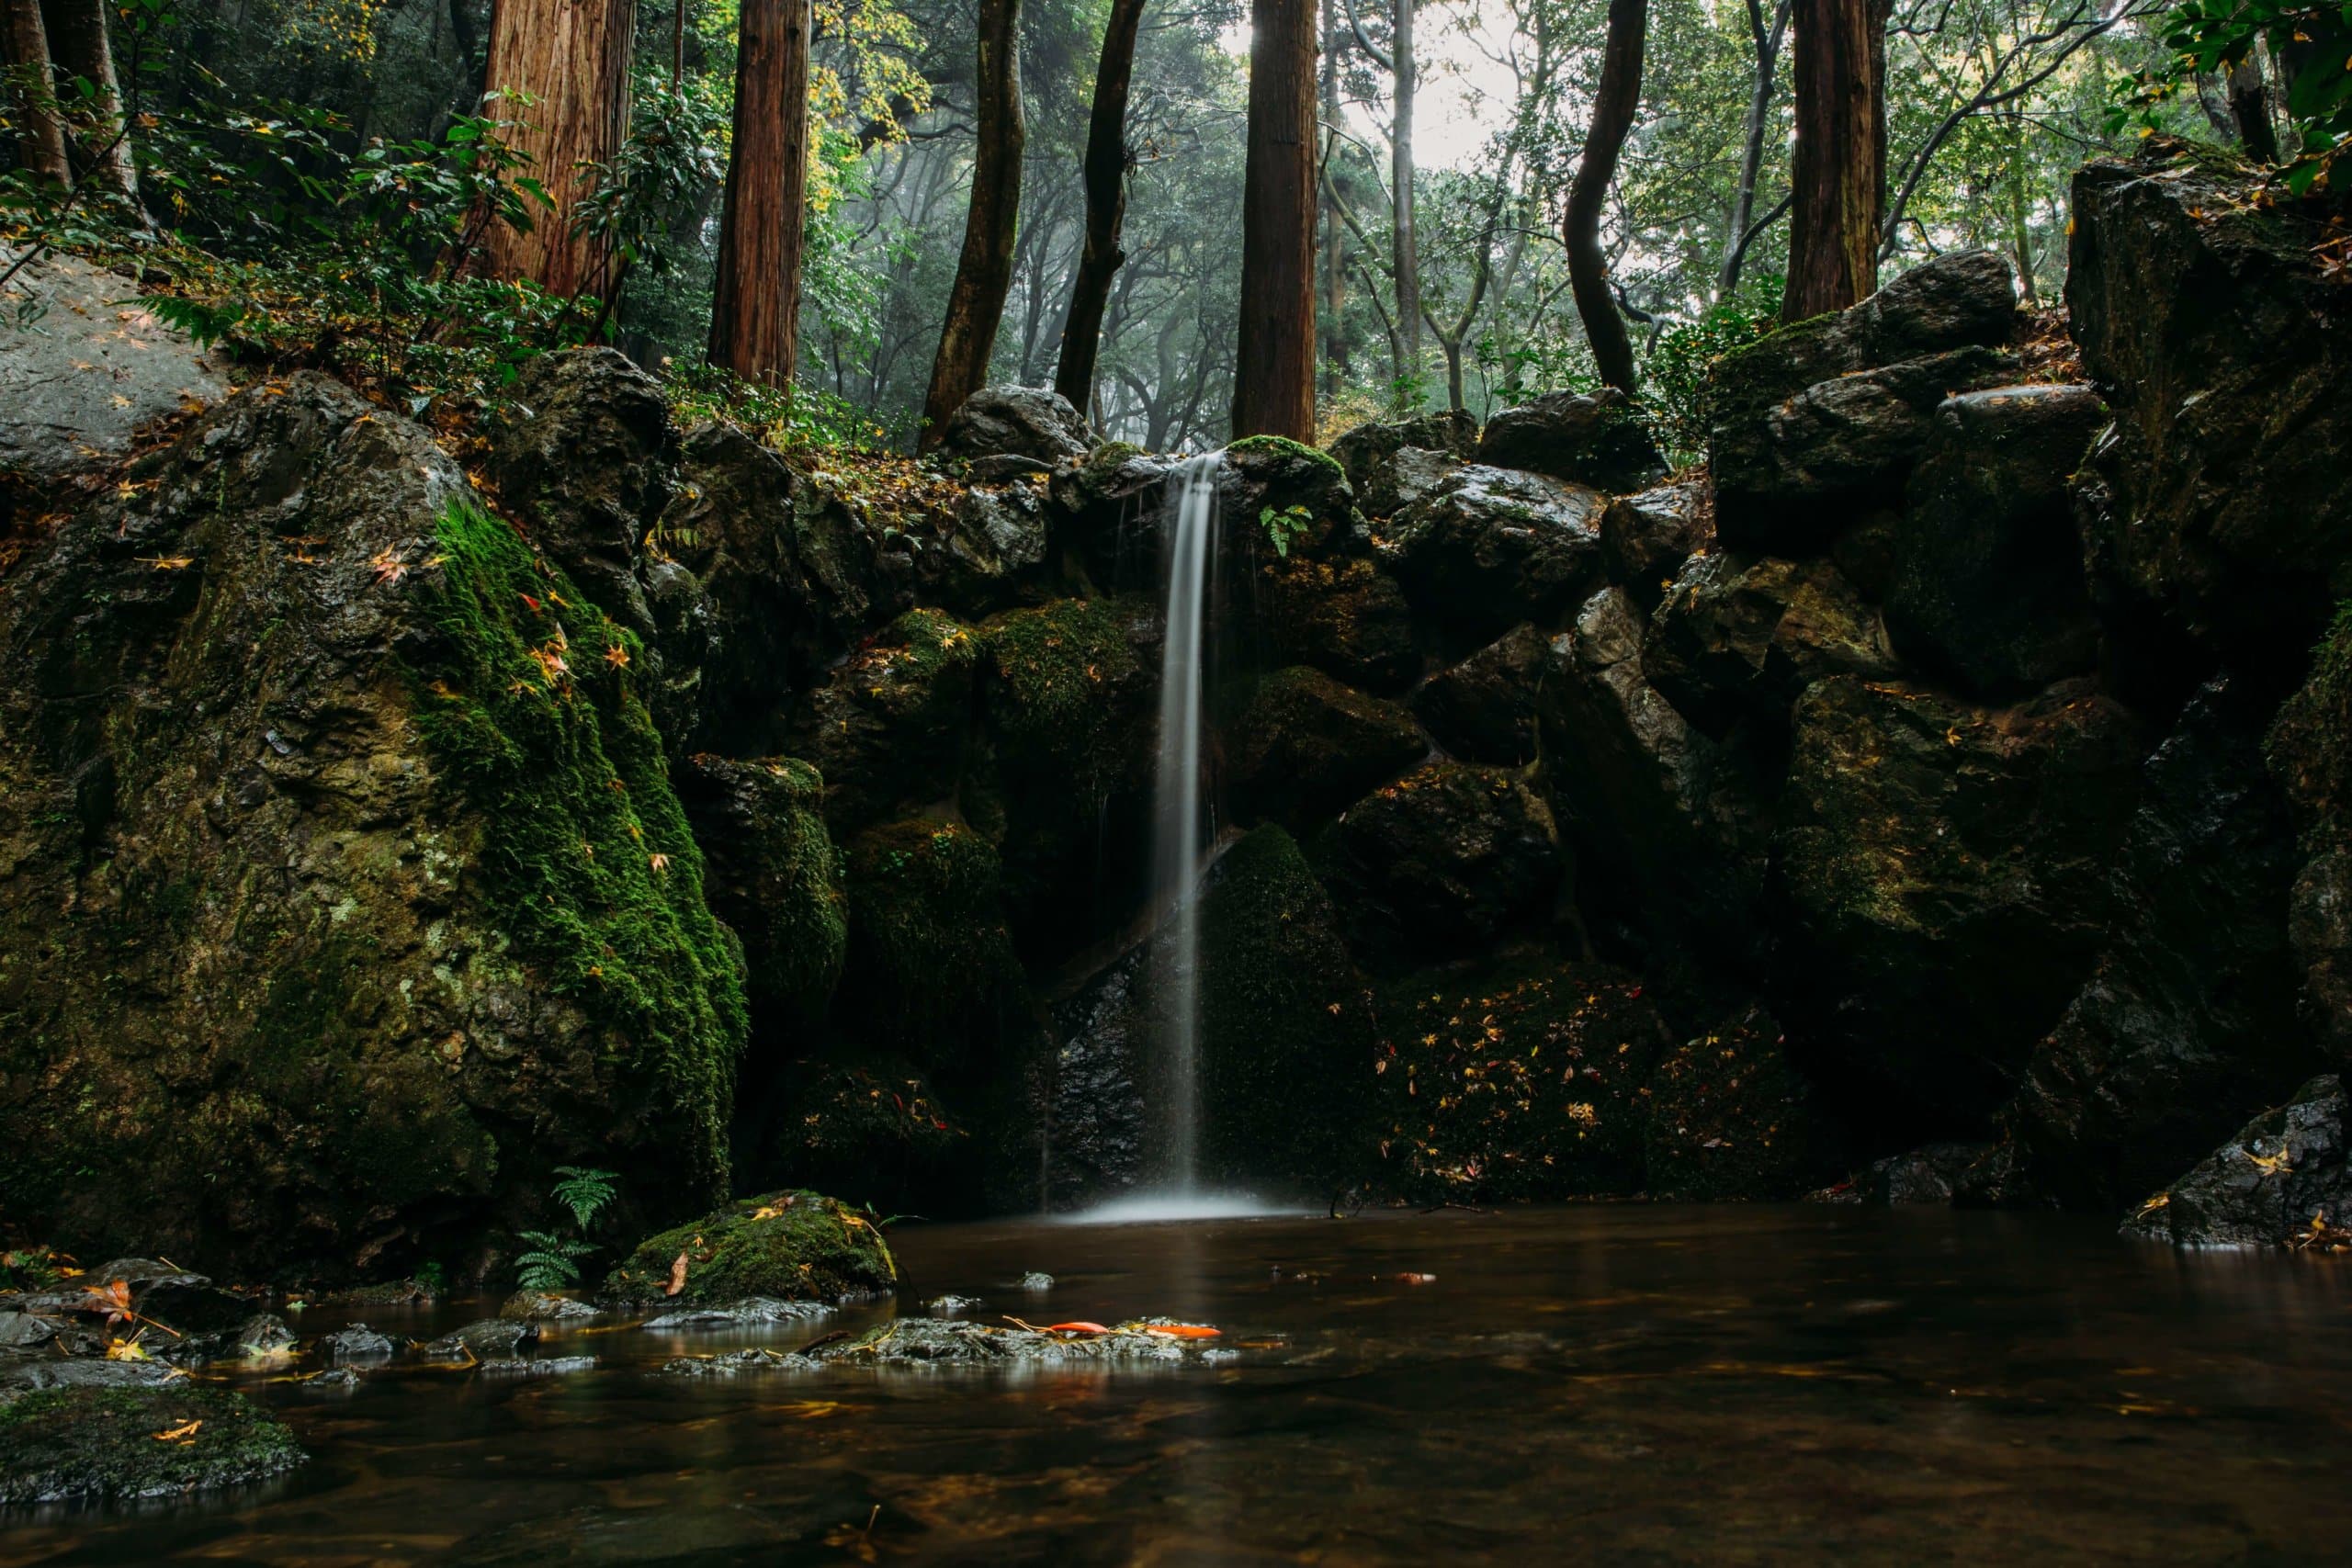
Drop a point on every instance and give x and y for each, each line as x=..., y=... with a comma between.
x=755, y=302
x=1107, y=158
x=1614, y=104
x=571, y=60
x=984, y=270
x=1273, y=378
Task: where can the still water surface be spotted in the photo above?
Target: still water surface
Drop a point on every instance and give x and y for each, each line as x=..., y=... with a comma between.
x=1625, y=1384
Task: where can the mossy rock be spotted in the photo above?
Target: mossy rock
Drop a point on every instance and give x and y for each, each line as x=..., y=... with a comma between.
x=111, y=1444
x=1306, y=746
x=791, y=1246
x=1062, y=691
x=1524, y=1079
x=889, y=727
x=1347, y=618
x=1730, y=1117
x=931, y=970
x=773, y=875
x=871, y=1124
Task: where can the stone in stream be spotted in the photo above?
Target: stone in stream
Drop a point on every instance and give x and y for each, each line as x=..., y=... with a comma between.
x=2286, y=1173
x=946, y=1307
x=491, y=1337
x=537, y=1366
x=744, y=1314
x=544, y=1306
x=93, y=1444
x=1034, y=1281
x=261, y=1335
x=796, y=1245
x=82, y=1372
x=357, y=1343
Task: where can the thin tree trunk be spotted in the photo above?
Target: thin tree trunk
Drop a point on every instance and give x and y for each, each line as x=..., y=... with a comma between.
x=1334, y=257
x=79, y=45
x=1273, y=372
x=1106, y=206
x=2021, y=223
x=571, y=57
x=1615, y=102
x=1405, y=257
x=2250, y=108
x=984, y=271
x=1767, y=41
x=43, y=144
x=1839, y=170
x=755, y=298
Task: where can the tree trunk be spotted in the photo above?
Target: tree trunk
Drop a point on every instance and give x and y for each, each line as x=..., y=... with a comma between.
x=1405, y=257
x=1767, y=41
x=2020, y=224
x=43, y=144
x=755, y=298
x=1106, y=206
x=1273, y=372
x=984, y=271
x=1615, y=102
x=1839, y=166
x=571, y=57
x=2250, y=108
x=79, y=47
x=1333, y=255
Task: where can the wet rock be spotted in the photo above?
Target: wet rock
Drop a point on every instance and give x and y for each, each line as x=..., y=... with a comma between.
x=931, y=972
x=737, y=1363
x=1001, y=538
x=888, y=727
x=389, y=1293
x=2207, y=323
x=1384, y=459
x=1034, y=1281
x=2266, y=1185
x=1931, y=1176
x=1348, y=618
x=1270, y=473
x=785, y=1246
x=357, y=1343
x=2309, y=749
x=23, y=1330
x=85, y=1370
x=1732, y=1117
x=2188, y=1024
x=1029, y=422
x=537, y=1366
x=334, y=1380
x=488, y=1339
x=1306, y=746
x=1106, y=510
x=925, y=1341
x=943, y=1306
x=1645, y=538
x=772, y=875
x=1442, y=861
x=1602, y=439
x=747, y=1313
x=1740, y=637
x=1492, y=546
x=1090, y=1099
x=103, y=1444
x=2318, y=930
x=1987, y=585
x=540, y=1306
x=1005, y=467
x=1483, y=709
x=857, y=1116
x=1927, y=845
x=259, y=1337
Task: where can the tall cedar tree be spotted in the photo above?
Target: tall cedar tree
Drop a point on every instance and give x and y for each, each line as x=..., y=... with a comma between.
x=755, y=302
x=1614, y=104
x=984, y=272
x=1273, y=374
x=80, y=47
x=42, y=139
x=1106, y=206
x=1839, y=169
x=571, y=57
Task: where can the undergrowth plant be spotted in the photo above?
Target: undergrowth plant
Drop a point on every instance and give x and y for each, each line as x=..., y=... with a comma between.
x=550, y=1261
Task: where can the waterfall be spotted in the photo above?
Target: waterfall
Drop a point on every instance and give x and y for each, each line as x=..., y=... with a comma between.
x=1180, y=826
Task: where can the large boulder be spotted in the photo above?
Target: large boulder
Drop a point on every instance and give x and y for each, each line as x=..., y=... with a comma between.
x=1941, y=882
x=1306, y=746
x=783, y=1246
x=1347, y=618
x=358, y=800
x=120, y=1445
x=2309, y=753
x=1732, y=1117
x=769, y=872
x=1602, y=439
x=1483, y=709
x=2187, y=1025
x=889, y=727
x=2285, y=1178
x=1741, y=637
x=1444, y=860
x=2223, y=348
x=1987, y=585
x=1390, y=462
x=1645, y=538
x=930, y=970
x=1023, y=421
x=1267, y=476
x=1493, y=546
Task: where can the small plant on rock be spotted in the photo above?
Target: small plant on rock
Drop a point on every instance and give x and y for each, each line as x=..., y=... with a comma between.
x=551, y=1261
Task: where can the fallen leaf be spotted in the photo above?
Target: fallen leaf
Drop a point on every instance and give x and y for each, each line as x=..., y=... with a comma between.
x=1080, y=1328
x=180, y=1434
x=677, y=1275
x=1183, y=1330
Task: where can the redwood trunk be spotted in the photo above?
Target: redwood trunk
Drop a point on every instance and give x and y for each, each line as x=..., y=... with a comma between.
x=756, y=300
x=1839, y=169
x=984, y=271
x=1106, y=205
x=1615, y=102
x=571, y=57
x=43, y=144
x=1274, y=373
x=79, y=45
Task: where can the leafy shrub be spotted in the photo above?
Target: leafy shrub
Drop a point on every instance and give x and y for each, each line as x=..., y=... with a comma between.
x=2309, y=40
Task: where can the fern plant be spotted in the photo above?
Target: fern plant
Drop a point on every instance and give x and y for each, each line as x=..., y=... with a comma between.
x=552, y=1263
x=583, y=1191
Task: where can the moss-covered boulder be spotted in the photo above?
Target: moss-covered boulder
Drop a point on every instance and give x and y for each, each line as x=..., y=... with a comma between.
x=790, y=1245
x=770, y=873
x=342, y=856
x=1306, y=746
x=1271, y=475
x=1730, y=1116
x=931, y=972
x=1603, y=439
x=889, y=726
x=1346, y=618
x=90, y=1445
x=1520, y=1078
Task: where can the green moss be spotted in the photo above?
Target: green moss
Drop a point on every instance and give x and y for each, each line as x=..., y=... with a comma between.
x=797, y=1246
x=105, y=1443
x=531, y=706
x=931, y=970
x=1059, y=675
x=1283, y=446
x=2310, y=744
x=808, y=916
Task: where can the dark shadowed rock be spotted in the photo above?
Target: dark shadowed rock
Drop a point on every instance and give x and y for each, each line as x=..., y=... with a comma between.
x=888, y=727
x=1602, y=439
x=930, y=1341
x=2267, y=1184
x=1739, y=636
x=1987, y=586
x=1269, y=473
x=930, y=971
x=1483, y=709
x=356, y=1343
x=1645, y=538
x=1931, y=1176
x=1367, y=451
x=1731, y=1116
x=490, y=1338
x=2308, y=750
x=1028, y=421
x=1492, y=546
x=2187, y=1025
x=1306, y=746
x=770, y=875
x=1442, y=861
x=1941, y=879
x=1347, y=618
x=92, y=1444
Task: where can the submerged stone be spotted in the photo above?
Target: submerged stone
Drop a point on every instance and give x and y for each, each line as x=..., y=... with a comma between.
x=750, y=1310
x=120, y=1443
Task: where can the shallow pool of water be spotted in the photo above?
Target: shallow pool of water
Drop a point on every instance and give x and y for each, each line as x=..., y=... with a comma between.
x=1623, y=1384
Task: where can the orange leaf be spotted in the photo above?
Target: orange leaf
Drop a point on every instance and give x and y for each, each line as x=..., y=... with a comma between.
x=677, y=1276
x=179, y=1434
x=1076, y=1328
x=1183, y=1330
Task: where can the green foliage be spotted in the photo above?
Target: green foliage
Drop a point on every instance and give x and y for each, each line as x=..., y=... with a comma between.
x=793, y=1246
x=583, y=1191
x=2311, y=39
x=1677, y=370
x=549, y=1262
x=1283, y=527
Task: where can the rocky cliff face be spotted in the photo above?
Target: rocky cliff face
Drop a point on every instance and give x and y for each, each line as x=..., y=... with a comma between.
x=371, y=842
